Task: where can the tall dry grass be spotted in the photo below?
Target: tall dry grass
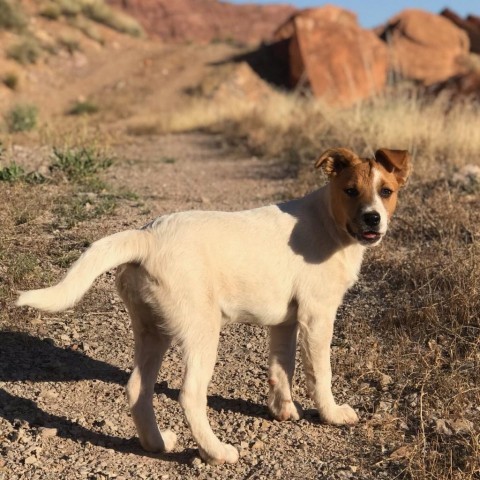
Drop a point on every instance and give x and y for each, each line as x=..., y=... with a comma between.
x=434, y=131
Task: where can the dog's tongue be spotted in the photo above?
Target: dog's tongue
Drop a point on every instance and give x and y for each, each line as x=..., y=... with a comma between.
x=370, y=235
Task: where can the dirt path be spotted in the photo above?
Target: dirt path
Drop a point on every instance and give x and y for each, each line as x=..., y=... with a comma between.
x=64, y=412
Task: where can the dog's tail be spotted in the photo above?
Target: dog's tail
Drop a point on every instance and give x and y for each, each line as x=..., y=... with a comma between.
x=107, y=253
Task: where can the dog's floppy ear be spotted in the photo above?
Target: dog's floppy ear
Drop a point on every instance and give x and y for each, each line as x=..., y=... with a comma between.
x=334, y=160
x=396, y=162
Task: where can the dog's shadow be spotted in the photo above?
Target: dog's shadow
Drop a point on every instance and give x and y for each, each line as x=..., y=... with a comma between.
x=24, y=357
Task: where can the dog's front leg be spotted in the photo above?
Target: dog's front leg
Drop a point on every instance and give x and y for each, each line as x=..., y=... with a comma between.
x=316, y=332
x=283, y=343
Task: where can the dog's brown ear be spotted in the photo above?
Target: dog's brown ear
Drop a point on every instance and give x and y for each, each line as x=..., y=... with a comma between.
x=334, y=160
x=396, y=162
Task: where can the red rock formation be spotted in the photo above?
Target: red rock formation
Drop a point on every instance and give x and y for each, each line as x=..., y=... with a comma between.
x=205, y=20
x=460, y=87
x=425, y=47
x=471, y=25
x=331, y=53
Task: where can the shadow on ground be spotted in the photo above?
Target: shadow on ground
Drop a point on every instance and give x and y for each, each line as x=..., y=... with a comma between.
x=24, y=357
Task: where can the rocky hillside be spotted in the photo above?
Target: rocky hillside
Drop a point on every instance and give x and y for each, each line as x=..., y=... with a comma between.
x=206, y=20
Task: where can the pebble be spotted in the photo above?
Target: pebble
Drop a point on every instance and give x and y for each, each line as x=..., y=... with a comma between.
x=442, y=427
x=48, y=432
x=258, y=445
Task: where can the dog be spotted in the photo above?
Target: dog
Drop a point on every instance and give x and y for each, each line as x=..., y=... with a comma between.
x=286, y=266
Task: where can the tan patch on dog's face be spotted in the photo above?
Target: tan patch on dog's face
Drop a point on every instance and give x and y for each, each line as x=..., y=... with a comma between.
x=364, y=191
x=363, y=199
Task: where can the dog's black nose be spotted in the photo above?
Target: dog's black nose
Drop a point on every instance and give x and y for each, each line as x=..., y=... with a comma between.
x=371, y=219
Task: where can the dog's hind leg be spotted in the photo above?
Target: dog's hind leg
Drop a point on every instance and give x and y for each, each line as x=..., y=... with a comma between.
x=151, y=343
x=200, y=344
x=283, y=341
x=150, y=347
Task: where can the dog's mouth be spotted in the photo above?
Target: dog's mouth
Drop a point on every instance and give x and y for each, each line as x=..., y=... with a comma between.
x=366, y=237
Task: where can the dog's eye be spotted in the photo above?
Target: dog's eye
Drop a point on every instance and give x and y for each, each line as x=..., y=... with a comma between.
x=351, y=192
x=385, y=192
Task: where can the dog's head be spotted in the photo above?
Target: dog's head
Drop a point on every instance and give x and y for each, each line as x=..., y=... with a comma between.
x=363, y=191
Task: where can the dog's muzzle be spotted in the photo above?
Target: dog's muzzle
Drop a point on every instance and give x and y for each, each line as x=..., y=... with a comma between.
x=366, y=230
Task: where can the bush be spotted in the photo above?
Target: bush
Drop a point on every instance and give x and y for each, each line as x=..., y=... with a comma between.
x=85, y=107
x=22, y=118
x=79, y=164
x=70, y=8
x=11, y=173
x=100, y=12
x=25, y=52
x=10, y=80
x=51, y=11
x=11, y=16
x=87, y=27
x=70, y=44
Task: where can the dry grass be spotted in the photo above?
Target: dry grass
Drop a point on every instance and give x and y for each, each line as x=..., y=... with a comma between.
x=283, y=125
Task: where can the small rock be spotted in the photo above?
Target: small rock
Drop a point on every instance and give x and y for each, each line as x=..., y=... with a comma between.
x=385, y=380
x=258, y=445
x=197, y=462
x=48, y=432
x=264, y=426
x=344, y=474
x=30, y=460
x=442, y=427
x=384, y=406
x=401, y=452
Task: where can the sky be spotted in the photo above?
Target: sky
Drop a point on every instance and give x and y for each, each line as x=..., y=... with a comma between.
x=374, y=12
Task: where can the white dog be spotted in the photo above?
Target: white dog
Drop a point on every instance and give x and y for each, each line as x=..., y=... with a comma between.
x=284, y=266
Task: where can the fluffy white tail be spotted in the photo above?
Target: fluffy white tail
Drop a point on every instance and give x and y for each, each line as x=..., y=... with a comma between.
x=107, y=253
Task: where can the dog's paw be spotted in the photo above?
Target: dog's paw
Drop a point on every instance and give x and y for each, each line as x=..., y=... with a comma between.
x=285, y=410
x=226, y=454
x=169, y=440
x=340, y=415
x=164, y=443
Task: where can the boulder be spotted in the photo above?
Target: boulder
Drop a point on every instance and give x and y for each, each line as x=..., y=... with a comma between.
x=425, y=47
x=331, y=54
x=466, y=86
x=471, y=26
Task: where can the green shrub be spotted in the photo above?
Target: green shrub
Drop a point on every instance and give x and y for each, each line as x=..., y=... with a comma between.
x=100, y=12
x=11, y=16
x=22, y=118
x=79, y=164
x=10, y=80
x=87, y=27
x=70, y=8
x=70, y=44
x=11, y=173
x=25, y=52
x=85, y=107
x=51, y=11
